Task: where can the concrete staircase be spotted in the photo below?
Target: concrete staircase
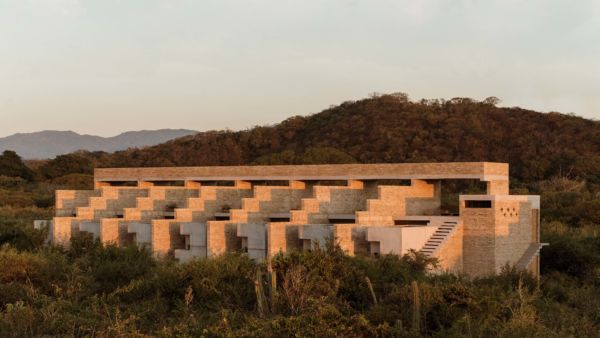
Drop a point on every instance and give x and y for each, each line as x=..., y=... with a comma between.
x=532, y=251
x=436, y=241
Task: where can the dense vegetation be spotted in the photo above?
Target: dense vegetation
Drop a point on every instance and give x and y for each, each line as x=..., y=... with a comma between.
x=390, y=128
x=90, y=290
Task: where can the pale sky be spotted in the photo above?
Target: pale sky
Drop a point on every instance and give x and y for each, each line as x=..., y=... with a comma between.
x=106, y=66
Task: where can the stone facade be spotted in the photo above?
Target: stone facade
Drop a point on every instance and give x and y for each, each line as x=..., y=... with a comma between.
x=372, y=209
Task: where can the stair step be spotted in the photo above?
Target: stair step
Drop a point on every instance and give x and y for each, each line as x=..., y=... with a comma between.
x=437, y=239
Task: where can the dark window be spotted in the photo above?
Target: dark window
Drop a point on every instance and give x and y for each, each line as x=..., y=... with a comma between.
x=403, y=183
x=272, y=183
x=341, y=220
x=168, y=183
x=478, y=204
x=279, y=219
x=332, y=183
x=411, y=222
x=123, y=183
x=218, y=183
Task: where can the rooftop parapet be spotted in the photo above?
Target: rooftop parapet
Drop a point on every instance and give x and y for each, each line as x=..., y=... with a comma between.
x=485, y=171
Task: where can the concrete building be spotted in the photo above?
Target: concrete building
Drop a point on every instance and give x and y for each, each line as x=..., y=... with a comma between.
x=368, y=209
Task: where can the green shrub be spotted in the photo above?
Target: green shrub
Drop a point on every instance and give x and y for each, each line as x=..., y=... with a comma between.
x=11, y=165
x=571, y=254
x=109, y=266
x=67, y=164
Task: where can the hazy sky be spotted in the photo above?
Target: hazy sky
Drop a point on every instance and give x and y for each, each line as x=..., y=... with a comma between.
x=106, y=66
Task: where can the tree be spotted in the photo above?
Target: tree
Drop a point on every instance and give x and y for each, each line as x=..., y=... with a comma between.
x=67, y=164
x=12, y=165
x=492, y=100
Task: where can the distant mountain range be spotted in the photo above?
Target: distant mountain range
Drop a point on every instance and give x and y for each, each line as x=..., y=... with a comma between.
x=50, y=143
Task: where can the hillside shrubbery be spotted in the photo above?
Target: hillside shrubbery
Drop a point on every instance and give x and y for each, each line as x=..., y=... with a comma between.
x=109, y=291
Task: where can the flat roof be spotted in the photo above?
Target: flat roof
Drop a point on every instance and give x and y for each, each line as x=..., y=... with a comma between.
x=485, y=171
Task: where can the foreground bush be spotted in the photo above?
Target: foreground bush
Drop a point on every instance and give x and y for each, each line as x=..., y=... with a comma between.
x=91, y=290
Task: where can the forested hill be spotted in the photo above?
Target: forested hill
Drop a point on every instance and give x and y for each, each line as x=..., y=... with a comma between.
x=390, y=128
